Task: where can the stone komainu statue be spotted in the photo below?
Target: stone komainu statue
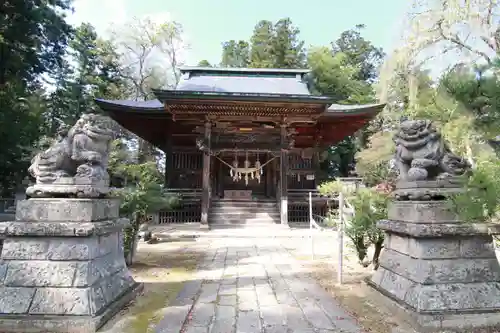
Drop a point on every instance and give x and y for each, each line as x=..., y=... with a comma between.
x=75, y=165
x=422, y=153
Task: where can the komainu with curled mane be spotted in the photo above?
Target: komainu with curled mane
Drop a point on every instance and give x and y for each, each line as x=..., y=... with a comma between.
x=75, y=165
x=422, y=153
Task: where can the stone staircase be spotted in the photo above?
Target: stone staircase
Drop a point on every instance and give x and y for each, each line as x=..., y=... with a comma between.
x=225, y=213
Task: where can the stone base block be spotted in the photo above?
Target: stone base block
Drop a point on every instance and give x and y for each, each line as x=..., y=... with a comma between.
x=451, y=296
x=91, y=190
x=427, y=190
x=437, y=282
x=29, y=323
x=487, y=320
x=426, y=212
x=66, y=210
x=60, y=270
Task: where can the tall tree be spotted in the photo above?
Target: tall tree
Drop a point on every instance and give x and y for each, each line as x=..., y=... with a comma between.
x=287, y=48
x=261, y=55
x=345, y=71
x=150, y=54
x=92, y=70
x=271, y=46
x=235, y=54
x=33, y=38
x=360, y=52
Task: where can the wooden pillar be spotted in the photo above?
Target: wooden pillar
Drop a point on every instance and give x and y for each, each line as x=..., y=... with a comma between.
x=315, y=166
x=284, y=178
x=205, y=197
x=169, y=159
x=269, y=173
x=220, y=179
x=274, y=182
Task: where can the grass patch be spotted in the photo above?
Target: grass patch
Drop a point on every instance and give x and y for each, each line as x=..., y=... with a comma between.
x=163, y=268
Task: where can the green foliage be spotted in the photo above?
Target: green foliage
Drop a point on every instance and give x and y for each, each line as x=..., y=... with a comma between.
x=33, y=41
x=271, y=46
x=142, y=192
x=360, y=53
x=480, y=201
x=21, y=114
x=370, y=206
x=345, y=70
x=334, y=187
x=479, y=92
x=204, y=63
x=373, y=163
x=338, y=160
x=235, y=54
x=333, y=75
x=95, y=73
x=34, y=37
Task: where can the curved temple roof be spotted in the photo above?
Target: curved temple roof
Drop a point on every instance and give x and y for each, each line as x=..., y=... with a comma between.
x=209, y=87
x=334, y=110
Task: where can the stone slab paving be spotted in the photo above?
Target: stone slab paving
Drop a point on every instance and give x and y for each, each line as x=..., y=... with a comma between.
x=253, y=286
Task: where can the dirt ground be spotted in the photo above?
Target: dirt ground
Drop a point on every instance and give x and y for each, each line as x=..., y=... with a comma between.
x=354, y=296
x=163, y=268
x=353, y=293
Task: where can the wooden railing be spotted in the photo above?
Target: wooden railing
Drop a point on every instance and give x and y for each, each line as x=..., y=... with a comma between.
x=188, y=210
x=298, y=205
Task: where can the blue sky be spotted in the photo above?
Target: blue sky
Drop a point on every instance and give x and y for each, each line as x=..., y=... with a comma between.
x=208, y=23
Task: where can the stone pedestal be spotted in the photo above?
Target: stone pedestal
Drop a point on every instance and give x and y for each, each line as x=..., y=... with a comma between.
x=440, y=273
x=62, y=267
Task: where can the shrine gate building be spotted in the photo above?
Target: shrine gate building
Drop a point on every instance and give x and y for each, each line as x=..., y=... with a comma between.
x=241, y=134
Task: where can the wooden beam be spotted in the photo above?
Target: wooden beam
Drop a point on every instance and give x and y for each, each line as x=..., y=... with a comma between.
x=250, y=150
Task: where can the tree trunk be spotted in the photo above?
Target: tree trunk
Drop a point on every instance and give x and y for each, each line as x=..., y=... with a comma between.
x=359, y=245
x=379, y=245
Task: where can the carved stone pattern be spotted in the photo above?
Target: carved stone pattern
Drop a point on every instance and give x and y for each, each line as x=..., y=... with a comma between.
x=75, y=165
x=422, y=154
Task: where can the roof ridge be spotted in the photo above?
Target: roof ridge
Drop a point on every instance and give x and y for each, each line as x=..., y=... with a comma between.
x=185, y=69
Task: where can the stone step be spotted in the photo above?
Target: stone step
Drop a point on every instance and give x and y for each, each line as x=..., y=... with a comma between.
x=240, y=212
x=246, y=200
x=230, y=206
x=244, y=216
x=249, y=231
x=221, y=219
x=242, y=204
x=263, y=226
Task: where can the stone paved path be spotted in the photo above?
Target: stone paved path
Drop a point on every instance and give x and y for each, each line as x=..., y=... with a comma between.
x=253, y=286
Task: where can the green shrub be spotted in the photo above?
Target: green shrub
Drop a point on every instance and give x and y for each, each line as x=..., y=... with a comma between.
x=142, y=195
x=480, y=201
x=370, y=206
